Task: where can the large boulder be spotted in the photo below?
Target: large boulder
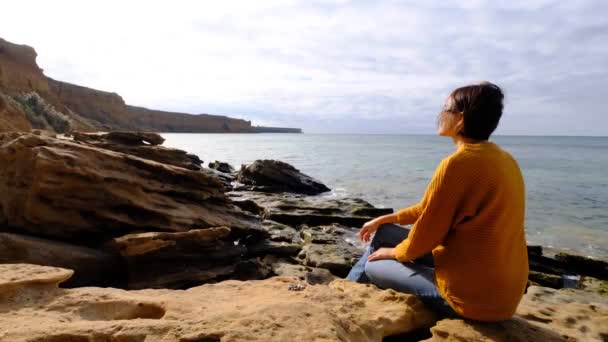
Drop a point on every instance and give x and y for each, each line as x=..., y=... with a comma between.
x=277, y=176
x=77, y=192
x=296, y=210
x=32, y=308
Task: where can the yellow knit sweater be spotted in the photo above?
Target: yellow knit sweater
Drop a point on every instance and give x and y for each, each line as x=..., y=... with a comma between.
x=472, y=218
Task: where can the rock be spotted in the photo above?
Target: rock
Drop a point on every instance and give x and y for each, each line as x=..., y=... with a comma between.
x=512, y=330
x=281, y=248
x=172, y=274
x=171, y=245
x=91, y=267
x=582, y=265
x=295, y=210
x=280, y=232
x=330, y=247
x=311, y=275
x=121, y=138
x=574, y=314
x=544, y=314
x=134, y=143
x=72, y=192
x=535, y=250
x=179, y=260
x=595, y=285
x=228, y=311
x=226, y=178
x=545, y=279
x=221, y=167
x=277, y=176
x=15, y=277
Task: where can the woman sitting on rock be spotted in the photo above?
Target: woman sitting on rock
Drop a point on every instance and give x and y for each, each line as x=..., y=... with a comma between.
x=471, y=218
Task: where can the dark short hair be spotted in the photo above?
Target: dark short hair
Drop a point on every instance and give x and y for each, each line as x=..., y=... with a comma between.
x=482, y=106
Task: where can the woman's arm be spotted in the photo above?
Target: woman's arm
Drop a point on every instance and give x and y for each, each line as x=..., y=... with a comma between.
x=408, y=215
x=438, y=210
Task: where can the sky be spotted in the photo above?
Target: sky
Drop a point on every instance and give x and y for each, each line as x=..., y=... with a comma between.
x=331, y=66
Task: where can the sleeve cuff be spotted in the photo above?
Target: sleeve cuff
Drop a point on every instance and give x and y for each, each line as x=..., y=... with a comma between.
x=401, y=251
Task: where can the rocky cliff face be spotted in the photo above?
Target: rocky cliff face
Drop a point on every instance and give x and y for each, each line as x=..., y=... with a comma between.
x=90, y=109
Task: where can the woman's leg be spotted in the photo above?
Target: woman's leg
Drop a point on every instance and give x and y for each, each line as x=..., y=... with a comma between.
x=409, y=278
x=387, y=235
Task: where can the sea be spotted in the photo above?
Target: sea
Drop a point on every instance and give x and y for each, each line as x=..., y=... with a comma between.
x=566, y=176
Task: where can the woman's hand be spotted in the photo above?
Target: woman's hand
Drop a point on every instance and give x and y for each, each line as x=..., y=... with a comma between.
x=381, y=254
x=368, y=229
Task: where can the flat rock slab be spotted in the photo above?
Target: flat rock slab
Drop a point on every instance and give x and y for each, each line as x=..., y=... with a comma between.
x=143, y=145
x=15, y=276
x=134, y=245
x=275, y=309
x=295, y=210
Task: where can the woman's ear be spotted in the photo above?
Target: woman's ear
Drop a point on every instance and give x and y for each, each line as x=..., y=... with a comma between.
x=459, y=127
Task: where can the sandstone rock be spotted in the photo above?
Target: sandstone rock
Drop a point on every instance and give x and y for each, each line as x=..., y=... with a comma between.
x=179, y=260
x=173, y=245
x=311, y=275
x=221, y=167
x=92, y=267
x=229, y=311
x=133, y=143
x=296, y=210
x=70, y=191
x=277, y=176
x=15, y=277
x=516, y=329
x=544, y=314
x=574, y=314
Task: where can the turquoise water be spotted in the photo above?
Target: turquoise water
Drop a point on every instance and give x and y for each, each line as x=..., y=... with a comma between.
x=566, y=177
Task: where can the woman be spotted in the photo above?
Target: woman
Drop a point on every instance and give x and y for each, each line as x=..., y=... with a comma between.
x=471, y=218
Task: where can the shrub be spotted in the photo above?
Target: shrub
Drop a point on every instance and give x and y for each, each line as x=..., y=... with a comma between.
x=43, y=115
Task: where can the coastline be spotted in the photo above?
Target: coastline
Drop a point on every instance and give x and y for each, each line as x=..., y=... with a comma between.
x=123, y=211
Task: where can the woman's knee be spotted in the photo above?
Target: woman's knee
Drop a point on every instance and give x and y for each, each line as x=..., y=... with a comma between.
x=389, y=234
x=383, y=273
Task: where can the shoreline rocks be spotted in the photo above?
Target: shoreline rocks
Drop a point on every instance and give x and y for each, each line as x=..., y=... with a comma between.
x=120, y=215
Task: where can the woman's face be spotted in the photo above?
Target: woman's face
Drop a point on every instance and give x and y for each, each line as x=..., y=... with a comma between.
x=449, y=122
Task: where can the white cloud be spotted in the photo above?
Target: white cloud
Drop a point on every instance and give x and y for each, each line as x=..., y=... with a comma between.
x=311, y=62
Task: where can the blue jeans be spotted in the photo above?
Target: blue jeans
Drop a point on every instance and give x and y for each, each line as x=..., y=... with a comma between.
x=415, y=277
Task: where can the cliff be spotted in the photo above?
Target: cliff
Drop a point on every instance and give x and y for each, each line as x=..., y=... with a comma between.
x=263, y=129
x=86, y=109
